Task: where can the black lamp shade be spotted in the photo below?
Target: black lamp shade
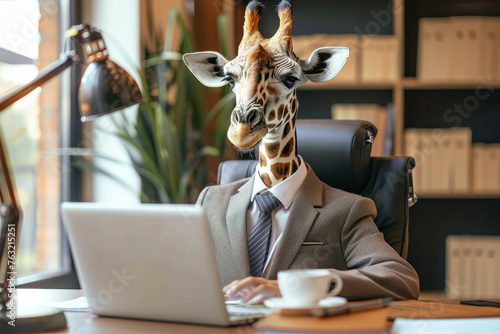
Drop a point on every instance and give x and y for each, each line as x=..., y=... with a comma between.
x=106, y=87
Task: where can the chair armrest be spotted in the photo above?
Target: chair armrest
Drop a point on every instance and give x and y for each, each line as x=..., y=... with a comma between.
x=390, y=188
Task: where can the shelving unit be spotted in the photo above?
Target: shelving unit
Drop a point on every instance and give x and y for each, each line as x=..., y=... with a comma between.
x=416, y=103
x=460, y=196
x=405, y=84
x=412, y=83
x=333, y=85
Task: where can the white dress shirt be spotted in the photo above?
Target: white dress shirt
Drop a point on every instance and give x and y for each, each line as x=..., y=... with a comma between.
x=285, y=191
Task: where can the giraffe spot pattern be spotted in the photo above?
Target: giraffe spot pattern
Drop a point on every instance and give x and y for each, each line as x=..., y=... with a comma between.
x=286, y=130
x=272, y=149
x=259, y=75
x=272, y=115
x=266, y=179
x=287, y=119
x=262, y=160
x=280, y=112
x=294, y=167
x=272, y=90
x=288, y=148
x=280, y=170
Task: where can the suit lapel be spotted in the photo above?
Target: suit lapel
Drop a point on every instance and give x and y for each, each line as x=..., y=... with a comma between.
x=300, y=220
x=236, y=221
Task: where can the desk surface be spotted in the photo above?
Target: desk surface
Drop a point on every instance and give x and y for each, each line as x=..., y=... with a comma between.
x=85, y=322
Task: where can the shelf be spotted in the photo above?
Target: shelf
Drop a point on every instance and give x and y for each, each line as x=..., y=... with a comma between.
x=407, y=83
x=412, y=83
x=336, y=85
x=458, y=196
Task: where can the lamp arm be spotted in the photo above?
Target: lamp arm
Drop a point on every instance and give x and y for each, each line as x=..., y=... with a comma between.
x=66, y=60
x=9, y=233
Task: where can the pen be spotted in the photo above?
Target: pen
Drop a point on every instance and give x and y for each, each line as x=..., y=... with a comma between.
x=480, y=303
x=346, y=308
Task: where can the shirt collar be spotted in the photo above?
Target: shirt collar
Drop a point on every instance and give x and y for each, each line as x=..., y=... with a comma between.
x=286, y=190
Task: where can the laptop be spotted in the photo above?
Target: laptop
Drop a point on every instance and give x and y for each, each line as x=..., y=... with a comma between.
x=150, y=261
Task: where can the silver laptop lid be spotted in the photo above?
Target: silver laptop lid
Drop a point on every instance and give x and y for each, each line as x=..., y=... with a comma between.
x=149, y=261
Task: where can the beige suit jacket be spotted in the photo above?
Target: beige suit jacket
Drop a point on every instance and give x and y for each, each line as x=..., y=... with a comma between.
x=343, y=222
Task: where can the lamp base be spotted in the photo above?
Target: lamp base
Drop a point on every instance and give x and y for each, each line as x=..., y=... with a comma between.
x=32, y=319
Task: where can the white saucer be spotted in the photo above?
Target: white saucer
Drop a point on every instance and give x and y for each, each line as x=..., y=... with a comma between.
x=287, y=309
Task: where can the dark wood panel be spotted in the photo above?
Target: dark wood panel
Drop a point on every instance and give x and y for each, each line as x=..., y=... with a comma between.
x=317, y=104
x=332, y=17
x=478, y=109
x=205, y=25
x=432, y=220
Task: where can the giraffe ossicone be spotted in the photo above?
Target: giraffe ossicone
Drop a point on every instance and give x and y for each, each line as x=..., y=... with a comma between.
x=264, y=77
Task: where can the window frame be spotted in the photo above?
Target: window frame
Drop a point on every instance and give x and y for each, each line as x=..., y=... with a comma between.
x=71, y=179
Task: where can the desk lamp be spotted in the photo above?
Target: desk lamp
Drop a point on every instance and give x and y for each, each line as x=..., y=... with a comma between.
x=105, y=87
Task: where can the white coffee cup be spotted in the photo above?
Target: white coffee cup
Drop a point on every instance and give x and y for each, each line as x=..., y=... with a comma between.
x=307, y=287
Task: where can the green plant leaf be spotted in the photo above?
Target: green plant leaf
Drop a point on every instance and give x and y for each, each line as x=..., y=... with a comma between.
x=148, y=161
x=223, y=35
x=191, y=165
x=161, y=194
x=219, y=107
x=162, y=58
x=169, y=32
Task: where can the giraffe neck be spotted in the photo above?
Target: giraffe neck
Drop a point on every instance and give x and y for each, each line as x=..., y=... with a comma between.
x=278, y=157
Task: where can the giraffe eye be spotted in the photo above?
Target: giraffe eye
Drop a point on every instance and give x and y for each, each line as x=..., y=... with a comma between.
x=289, y=81
x=229, y=80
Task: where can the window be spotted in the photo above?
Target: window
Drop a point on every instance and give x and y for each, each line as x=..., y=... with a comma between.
x=29, y=42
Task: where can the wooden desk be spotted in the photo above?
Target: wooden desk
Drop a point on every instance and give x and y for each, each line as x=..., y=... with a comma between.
x=85, y=322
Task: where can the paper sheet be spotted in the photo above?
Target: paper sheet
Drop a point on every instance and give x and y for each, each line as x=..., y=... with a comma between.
x=446, y=326
x=76, y=305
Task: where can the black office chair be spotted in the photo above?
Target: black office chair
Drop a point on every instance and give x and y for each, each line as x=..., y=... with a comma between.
x=339, y=153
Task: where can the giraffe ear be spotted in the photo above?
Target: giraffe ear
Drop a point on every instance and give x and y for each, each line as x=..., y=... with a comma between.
x=208, y=67
x=324, y=63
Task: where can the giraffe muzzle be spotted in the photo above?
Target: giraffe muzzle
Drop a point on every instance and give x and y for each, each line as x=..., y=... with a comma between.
x=247, y=127
x=252, y=116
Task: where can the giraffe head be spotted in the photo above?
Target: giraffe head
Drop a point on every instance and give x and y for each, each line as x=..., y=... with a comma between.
x=264, y=77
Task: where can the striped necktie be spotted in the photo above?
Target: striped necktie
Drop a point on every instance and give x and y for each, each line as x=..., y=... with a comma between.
x=258, y=241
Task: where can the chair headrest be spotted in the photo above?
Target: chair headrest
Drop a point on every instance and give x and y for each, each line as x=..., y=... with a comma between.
x=338, y=151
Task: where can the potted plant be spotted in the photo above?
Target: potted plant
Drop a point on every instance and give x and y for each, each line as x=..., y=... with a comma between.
x=172, y=135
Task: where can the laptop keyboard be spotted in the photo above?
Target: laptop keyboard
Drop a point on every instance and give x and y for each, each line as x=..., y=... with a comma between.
x=238, y=312
x=242, y=315
x=246, y=315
